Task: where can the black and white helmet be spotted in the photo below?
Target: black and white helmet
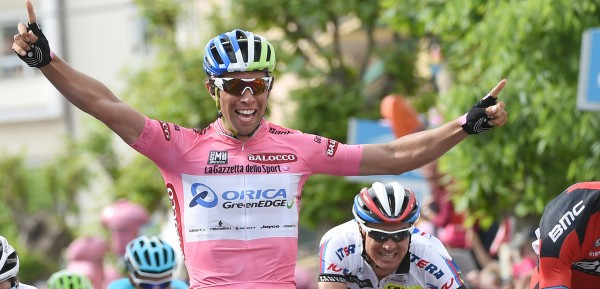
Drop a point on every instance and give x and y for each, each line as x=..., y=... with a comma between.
x=9, y=260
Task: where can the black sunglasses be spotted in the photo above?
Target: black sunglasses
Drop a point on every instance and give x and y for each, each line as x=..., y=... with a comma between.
x=237, y=86
x=155, y=286
x=382, y=236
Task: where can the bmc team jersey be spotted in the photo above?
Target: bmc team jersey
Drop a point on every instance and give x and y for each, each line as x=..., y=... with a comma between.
x=569, y=252
x=236, y=203
x=427, y=264
x=124, y=283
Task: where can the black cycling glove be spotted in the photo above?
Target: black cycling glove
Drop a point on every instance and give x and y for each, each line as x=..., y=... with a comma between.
x=39, y=55
x=476, y=120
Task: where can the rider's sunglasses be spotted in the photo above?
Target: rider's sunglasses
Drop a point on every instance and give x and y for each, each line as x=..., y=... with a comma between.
x=237, y=86
x=382, y=236
x=155, y=286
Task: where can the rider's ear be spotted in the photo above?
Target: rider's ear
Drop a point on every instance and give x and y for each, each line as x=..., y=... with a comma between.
x=210, y=86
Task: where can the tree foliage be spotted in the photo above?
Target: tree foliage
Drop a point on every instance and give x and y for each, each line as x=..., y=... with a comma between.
x=548, y=143
x=38, y=211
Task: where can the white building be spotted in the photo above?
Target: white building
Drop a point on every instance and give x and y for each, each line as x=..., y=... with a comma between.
x=96, y=37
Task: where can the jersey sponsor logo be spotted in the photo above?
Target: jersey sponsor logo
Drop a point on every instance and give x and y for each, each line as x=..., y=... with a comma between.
x=588, y=267
x=333, y=267
x=317, y=139
x=399, y=286
x=176, y=212
x=245, y=228
x=597, y=244
x=202, y=131
x=290, y=204
x=239, y=169
x=400, y=278
x=565, y=221
x=264, y=169
x=272, y=158
x=448, y=284
x=594, y=254
x=332, y=146
x=332, y=278
x=217, y=157
x=274, y=131
x=345, y=252
x=215, y=169
x=166, y=130
x=361, y=283
x=220, y=227
x=261, y=198
x=203, y=196
x=427, y=266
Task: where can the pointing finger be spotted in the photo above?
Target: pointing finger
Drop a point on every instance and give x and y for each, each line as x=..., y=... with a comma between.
x=496, y=90
x=30, y=12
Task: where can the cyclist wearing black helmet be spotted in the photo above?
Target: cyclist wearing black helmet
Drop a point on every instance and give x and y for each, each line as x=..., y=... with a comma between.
x=381, y=248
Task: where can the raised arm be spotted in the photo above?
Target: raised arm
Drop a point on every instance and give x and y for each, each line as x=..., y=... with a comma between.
x=84, y=92
x=415, y=150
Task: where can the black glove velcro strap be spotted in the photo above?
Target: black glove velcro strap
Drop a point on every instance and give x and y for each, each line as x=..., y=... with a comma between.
x=39, y=55
x=476, y=120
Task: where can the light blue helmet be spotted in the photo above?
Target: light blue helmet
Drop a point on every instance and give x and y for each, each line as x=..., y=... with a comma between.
x=149, y=260
x=238, y=50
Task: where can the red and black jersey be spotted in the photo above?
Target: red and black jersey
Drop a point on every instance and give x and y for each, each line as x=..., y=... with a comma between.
x=569, y=255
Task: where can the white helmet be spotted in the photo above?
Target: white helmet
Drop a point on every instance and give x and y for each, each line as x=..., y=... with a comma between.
x=9, y=260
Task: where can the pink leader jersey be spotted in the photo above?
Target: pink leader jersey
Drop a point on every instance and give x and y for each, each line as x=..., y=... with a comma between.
x=236, y=203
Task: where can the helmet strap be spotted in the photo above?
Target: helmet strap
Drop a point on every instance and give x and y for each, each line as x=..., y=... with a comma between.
x=231, y=131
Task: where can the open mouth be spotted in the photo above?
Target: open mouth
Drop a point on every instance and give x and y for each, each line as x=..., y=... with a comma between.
x=246, y=114
x=387, y=256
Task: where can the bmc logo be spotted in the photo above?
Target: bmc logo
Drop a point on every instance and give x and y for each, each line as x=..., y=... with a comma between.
x=565, y=221
x=272, y=158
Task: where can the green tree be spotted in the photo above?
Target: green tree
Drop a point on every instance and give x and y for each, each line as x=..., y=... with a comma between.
x=38, y=212
x=548, y=143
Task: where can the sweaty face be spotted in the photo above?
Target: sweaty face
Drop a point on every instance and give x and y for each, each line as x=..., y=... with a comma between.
x=387, y=255
x=243, y=112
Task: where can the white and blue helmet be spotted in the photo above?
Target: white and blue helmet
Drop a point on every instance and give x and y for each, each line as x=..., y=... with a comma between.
x=238, y=50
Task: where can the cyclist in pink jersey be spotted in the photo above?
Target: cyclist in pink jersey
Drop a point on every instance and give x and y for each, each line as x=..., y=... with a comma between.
x=236, y=185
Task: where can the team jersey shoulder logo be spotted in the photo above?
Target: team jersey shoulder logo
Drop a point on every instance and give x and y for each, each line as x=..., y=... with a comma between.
x=332, y=146
x=166, y=130
x=282, y=131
